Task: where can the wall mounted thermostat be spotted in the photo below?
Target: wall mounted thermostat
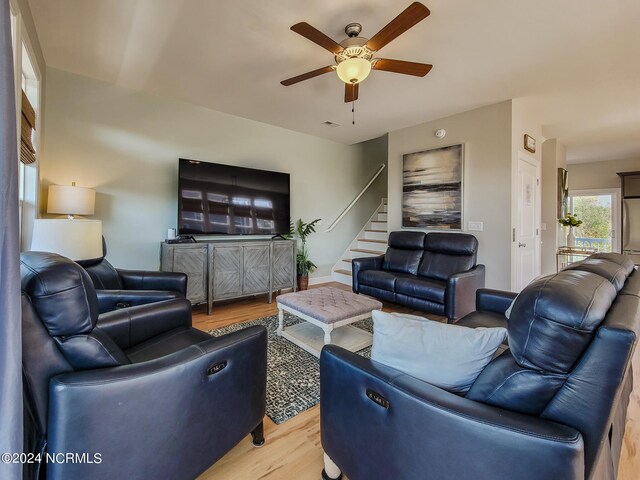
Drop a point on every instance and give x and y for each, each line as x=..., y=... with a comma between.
x=441, y=133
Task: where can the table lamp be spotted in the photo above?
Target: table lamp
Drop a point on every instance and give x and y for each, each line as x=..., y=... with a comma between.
x=71, y=200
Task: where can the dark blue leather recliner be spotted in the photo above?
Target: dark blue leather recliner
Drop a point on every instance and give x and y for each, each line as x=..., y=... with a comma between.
x=136, y=393
x=119, y=288
x=551, y=406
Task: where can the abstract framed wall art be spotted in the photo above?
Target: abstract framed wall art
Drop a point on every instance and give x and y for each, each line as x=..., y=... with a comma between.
x=432, y=187
x=563, y=193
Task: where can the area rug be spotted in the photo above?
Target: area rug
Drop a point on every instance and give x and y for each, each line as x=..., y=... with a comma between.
x=293, y=375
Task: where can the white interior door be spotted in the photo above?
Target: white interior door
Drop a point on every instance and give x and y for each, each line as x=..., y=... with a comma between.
x=527, y=229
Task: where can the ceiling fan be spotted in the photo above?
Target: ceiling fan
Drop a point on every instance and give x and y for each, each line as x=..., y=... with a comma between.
x=354, y=55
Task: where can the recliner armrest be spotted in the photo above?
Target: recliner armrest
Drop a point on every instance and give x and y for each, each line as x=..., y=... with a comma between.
x=109, y=300
x=364, y=263
x=460, y=296
x=367, y=440
x=175, y=406
x=498, y=301
x=134, y=325
x=149, y=280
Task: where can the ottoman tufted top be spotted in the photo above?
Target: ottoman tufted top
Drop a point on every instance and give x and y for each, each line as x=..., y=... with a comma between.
x=328, y=304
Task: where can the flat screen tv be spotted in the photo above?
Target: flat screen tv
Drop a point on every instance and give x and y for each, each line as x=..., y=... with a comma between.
x=216, y=199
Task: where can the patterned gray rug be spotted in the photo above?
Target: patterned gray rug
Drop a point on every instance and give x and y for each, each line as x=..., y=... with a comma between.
x=293, y=375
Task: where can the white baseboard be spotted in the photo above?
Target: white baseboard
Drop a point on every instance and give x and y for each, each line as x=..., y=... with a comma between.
x=317, y=280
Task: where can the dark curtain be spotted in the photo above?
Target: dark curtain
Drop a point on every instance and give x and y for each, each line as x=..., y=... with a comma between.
x=10, y=320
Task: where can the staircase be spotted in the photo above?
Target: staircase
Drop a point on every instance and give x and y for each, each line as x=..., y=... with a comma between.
x=370, y=242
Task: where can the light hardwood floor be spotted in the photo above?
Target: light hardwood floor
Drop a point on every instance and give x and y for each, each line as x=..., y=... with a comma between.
x=292, y=449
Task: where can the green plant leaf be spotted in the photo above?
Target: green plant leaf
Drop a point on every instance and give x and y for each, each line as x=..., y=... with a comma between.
x=304, y=265
x=292, y=230
x=570, y=221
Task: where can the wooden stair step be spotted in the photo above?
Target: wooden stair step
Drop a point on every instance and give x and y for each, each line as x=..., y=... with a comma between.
x=363, y=250
x=343, y=272
x=348, y=260
x=372, y=241
x=376, y=231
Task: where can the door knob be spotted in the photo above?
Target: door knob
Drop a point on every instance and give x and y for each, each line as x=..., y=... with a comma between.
x=521, y=245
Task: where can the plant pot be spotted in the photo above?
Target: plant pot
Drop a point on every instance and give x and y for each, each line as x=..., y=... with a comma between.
x=303, y=282
x=571, y=238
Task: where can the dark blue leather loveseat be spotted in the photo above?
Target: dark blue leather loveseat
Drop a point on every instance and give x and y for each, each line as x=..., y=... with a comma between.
x=551, y=406
x=432, y=272
x=138, y=387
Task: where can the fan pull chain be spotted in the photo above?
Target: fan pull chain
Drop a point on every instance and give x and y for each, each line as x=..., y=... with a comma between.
x=353, y=112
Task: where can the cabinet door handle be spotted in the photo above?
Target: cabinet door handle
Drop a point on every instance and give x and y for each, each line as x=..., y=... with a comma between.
x=521, y=245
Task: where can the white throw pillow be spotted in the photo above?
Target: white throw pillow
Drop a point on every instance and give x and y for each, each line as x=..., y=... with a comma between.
x=447, y=356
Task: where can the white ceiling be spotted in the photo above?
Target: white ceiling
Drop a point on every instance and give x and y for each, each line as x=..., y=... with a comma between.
x=576, y=62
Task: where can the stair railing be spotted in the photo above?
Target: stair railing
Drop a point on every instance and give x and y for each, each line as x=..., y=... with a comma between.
x=353, y=202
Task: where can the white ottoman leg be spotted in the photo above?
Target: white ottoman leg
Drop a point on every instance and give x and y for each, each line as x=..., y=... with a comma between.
x=327, y=335
x=331, y=470
x=280, y=320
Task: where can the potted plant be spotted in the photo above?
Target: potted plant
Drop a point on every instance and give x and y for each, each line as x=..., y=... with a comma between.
x=303, y=264
x=570, y=221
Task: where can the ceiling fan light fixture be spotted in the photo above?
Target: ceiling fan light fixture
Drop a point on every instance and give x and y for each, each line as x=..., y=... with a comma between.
x=354, y=55
x=353, y=70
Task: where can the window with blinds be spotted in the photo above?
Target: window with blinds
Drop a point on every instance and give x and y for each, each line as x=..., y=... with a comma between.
x=27, y=132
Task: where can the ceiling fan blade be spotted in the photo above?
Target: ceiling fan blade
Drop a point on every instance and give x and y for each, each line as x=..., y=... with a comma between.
x=317, y=37
x=413, y=14
x=351, y=92
x=400, y=66
x=306, y=76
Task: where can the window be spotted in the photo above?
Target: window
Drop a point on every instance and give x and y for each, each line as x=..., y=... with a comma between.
x=28, y=94
x=599, y=212
x=27, y=131
x=243, y=224
x=241, y=201
x=215, y=219
x=218, y=198
x=267, y=225
x=192, y=216
x=263, y=203
x=192, y=194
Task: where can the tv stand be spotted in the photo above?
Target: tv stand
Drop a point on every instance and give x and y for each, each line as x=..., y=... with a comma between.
x=227, y=269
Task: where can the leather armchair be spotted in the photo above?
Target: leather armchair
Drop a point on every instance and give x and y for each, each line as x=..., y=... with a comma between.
x=424, y=429
x=491, y=306
x=139, y=391
x=551, y=405
x=119, y=288
x=496, y=301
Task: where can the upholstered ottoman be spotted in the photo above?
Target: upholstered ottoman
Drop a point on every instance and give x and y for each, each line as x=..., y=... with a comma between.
x=328, y=313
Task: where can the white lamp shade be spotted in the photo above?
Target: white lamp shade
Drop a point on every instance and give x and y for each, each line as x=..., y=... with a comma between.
x=74, y=239
x=71, y=200
x=353, y=70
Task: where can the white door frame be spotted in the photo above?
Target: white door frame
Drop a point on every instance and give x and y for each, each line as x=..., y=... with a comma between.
x=514, y=217
x=616, y=210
